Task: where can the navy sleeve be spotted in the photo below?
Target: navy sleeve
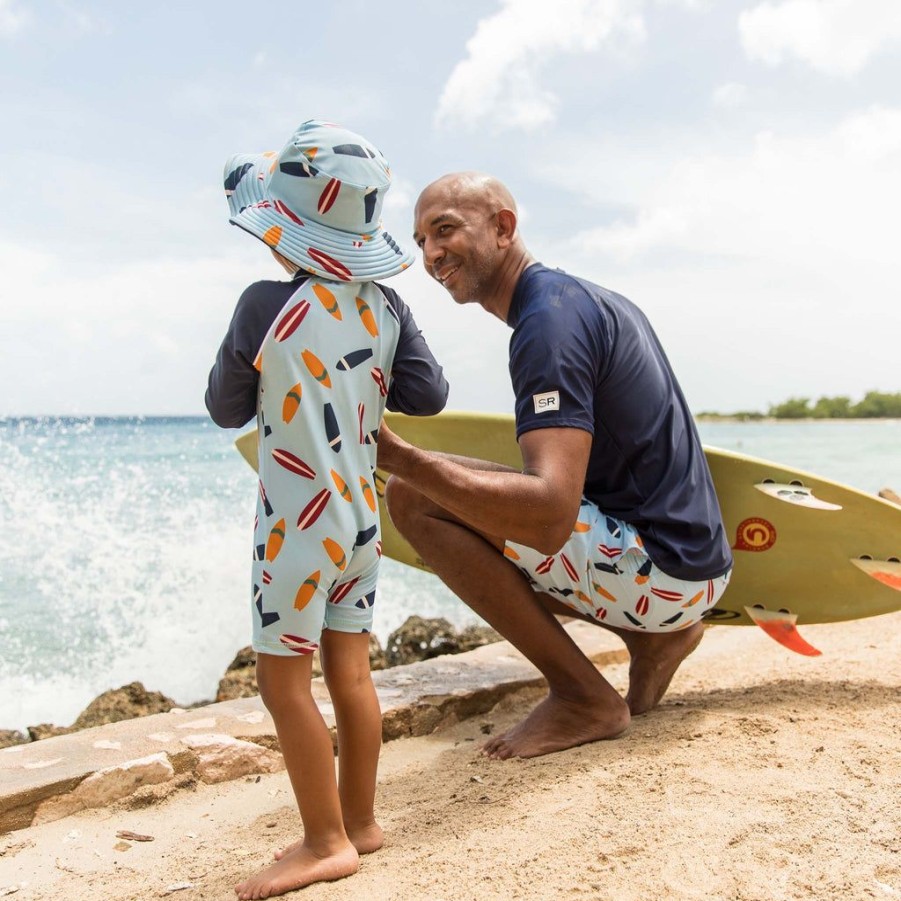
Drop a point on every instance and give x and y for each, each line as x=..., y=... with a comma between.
x=555, y=357
x=418, y=386
x=231, y=395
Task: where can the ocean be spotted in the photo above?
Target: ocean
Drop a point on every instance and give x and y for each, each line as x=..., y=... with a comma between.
x=125, y=543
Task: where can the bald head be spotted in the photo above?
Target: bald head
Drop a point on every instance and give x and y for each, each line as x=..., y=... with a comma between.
x=474, y=189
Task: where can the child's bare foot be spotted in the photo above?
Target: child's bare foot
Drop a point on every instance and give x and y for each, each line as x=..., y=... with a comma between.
x=299, y=867
x=365, y=839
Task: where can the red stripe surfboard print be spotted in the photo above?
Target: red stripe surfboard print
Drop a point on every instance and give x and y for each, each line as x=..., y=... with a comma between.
x=289, y=322
x=329, y=195
x=342, y=591
x=293, y=464
x=298, y=644
x=544, y=566
x=570, y=569
x=330, y=264
x=641, y=607
x=379, y=378
x=667, y=595
x=286, y=211
x=313, y=510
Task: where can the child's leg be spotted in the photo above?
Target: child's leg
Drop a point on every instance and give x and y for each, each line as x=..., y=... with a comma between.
x=345, y=666
x=325, y=852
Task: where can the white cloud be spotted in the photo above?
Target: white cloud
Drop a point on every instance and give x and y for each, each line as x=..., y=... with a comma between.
x=771, y=267
x=499, y=80
x=730, y=95
x=12, y=18
x=822, y=191
x=837, y=37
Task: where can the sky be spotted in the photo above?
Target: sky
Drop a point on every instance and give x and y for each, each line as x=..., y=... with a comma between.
x=731, y=166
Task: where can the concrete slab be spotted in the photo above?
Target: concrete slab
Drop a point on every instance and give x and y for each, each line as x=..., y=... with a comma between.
x=49, y=779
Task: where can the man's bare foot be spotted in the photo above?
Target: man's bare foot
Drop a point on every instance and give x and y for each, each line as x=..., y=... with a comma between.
x=365, y=839
x=557, y=724
x=655, y=659
x=298, y=868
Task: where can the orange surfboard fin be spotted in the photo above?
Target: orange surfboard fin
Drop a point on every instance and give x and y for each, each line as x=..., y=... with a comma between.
x=780, y=626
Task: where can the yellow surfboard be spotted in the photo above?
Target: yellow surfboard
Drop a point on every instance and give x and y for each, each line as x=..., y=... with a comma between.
x=807, y=550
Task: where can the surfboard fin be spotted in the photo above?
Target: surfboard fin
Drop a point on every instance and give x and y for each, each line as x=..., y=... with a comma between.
x=780, y=626
x=886, y=571
x=795, y=493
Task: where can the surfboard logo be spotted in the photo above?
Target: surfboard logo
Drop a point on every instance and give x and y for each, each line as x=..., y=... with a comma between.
x=754, y=534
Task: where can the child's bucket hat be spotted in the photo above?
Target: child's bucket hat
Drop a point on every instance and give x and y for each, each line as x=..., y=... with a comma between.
x=318, y=203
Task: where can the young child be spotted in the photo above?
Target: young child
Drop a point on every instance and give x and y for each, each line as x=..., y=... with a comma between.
x=317, y=359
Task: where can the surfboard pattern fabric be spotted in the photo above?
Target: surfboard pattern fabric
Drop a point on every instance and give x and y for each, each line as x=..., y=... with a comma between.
x=604, y=572
x=323, y=382
x=318, y=362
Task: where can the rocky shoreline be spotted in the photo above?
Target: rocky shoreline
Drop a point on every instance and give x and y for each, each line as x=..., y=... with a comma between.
x=417, y=639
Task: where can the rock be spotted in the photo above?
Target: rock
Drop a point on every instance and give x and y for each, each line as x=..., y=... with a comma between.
x=123, y=703
x=10, y=737
x=422, y=639
x=48, y=730
x=102, y=788
x=475, y=636
x=377, y=657
x=221, y=758
x=240, y=679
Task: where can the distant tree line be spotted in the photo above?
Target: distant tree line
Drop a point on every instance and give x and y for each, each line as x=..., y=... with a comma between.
x=875, y=405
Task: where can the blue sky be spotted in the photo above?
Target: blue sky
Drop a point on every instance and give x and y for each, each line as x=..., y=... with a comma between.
x=733, y=167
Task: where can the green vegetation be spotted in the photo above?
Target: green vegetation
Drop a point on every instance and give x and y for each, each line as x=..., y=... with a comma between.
x=875, y=405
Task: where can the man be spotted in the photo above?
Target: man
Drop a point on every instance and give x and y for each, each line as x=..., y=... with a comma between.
x=608, y=444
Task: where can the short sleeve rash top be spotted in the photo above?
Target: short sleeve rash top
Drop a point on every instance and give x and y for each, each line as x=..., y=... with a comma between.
x=587, y=358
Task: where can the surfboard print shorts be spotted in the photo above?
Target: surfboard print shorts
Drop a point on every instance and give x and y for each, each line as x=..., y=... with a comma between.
x=603, y=572
x=287, y=624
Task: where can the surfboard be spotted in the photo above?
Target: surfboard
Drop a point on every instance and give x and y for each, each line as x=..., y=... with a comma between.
x=807, y=549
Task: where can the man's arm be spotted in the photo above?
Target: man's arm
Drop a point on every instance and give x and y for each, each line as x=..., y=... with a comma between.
x=536, y=507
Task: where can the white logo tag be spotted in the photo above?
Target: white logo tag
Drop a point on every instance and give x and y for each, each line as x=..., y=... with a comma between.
x=546, y=402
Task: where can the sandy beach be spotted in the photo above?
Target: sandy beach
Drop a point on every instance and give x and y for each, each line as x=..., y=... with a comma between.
x=763, y=775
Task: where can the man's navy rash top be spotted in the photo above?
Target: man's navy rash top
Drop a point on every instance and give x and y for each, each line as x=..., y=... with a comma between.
x=646, y=466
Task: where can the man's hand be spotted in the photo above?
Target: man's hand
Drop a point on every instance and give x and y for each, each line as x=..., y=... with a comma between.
x=390, y=448
x=536, y=506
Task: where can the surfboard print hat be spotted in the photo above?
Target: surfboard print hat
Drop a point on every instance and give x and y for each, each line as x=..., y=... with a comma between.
x=318, y=203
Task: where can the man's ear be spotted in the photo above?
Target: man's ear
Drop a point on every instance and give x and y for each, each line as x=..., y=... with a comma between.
x=506, y=227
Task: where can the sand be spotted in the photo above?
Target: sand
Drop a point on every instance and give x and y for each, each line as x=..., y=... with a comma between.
x=763, y=775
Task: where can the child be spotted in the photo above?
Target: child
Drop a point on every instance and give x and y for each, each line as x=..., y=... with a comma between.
x=317, y=359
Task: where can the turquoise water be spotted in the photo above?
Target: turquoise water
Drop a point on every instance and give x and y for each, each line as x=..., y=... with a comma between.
x=124, y=548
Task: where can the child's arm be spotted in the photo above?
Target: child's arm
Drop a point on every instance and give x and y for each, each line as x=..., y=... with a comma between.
x=418, y=386
x=231, y=395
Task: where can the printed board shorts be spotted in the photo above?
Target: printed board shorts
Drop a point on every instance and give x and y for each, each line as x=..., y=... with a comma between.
x=288, y=623
x=604, y=572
